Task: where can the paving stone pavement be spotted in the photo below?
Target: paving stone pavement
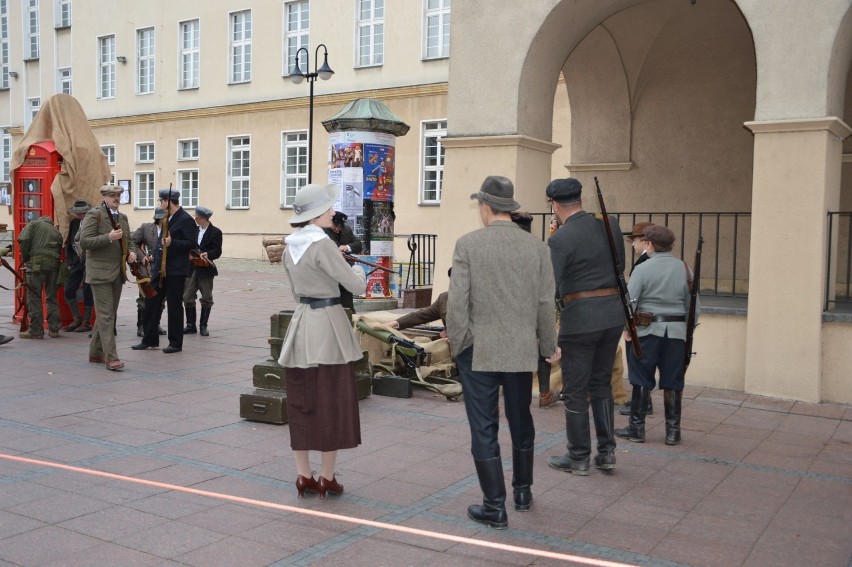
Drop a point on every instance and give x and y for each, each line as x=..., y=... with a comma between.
x=756, y=482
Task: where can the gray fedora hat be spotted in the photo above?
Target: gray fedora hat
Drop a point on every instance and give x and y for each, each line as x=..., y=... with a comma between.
x=313, y=200
x=80, y=207
x=497, y=192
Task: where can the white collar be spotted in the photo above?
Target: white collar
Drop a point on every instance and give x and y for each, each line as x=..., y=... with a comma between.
x=299, y=241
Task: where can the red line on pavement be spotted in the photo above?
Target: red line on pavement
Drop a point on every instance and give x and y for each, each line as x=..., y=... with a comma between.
x=326, y=515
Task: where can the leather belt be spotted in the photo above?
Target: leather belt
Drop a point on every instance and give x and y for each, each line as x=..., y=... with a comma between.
x=668, y=318
x=604, y=292
x=319, y=303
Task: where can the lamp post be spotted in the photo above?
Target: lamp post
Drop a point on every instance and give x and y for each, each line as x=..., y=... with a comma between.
x=298, y=76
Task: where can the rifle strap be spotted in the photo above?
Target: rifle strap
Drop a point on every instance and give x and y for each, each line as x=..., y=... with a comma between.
x=688, y=275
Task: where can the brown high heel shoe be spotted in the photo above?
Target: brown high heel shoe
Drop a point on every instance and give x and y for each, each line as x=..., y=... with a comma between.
x=306, y=483
x=331, y=486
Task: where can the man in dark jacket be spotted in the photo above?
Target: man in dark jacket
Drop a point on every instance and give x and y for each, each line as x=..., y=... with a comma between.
x=77, y=273
x=590, y=325
x=202, y=272
x=40, y=243
x=181, y=238
x=342, y=235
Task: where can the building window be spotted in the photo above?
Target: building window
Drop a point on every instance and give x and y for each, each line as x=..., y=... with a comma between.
x=188, y=186
x=5, y=157
x=239, y=172
x=63, y=77
x=432, y=161
x=188, y=150
x=297, y=16
x=190, y=54
x=33, y=106
x=106, y=66
x=146, y=47
x=294, y=157
x=437, y=29
x=4, y=44
x=241, y=47
x=109, y=152
x=31, y=47
x=145, y=189
x=63, y=13
x=145, y=152
x=371, y=32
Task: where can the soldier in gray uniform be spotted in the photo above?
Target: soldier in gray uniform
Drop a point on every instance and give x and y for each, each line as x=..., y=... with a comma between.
x=590, y=325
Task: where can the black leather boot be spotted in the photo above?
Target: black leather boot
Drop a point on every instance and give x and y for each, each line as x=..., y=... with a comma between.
x=576, y=460
x=140, y=331
x=522, y=478
x=625, y=409
x=635, y=430
x=602, y=413
x=492, y=512
x=672, y=402
x=205, y=316
x=190, y=320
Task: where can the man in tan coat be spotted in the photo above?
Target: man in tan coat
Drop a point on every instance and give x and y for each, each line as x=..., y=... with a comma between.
x=108, y=250
x=499, y=320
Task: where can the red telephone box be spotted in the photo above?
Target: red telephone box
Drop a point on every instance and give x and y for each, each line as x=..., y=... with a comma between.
x=31, y=183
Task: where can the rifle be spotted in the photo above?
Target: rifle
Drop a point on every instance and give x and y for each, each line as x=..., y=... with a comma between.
x=352, y=258
x=22, y=295
x=694, y=290
x=139, y=271
x=200, y=261
x=619, y=278
x=165, y=234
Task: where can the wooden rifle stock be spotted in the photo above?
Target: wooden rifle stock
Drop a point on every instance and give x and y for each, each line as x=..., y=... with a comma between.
x=694, y=290
x=619, y=278
x=352, y=258
x=165, y=234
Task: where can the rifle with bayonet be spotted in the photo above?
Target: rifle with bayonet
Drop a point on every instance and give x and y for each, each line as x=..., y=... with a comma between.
x=619, y=278
x=694, y=290
x=165, y=235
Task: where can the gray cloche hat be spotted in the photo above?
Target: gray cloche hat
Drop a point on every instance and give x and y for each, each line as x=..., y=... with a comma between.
x=312, y=200
x=80, y=207
x=204, y=212
x=497, y=192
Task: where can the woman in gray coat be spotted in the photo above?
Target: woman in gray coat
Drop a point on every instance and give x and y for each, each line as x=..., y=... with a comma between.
x=320, y=346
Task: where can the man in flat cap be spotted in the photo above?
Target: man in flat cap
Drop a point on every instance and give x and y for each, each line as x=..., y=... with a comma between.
x=342, y=235
x=147, y=238
x=202, y=270
x=499, y=321
x=170, y=275
x=661, y=289
x=77, y=273
x=590, y=325
x=40, y=243
x=105, y=237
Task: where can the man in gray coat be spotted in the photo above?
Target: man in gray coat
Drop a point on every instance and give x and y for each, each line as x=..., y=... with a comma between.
x=499, y=320
x=590, y=325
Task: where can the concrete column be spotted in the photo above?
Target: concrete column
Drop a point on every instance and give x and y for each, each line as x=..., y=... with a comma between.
x=796, y=182
x=467, y=162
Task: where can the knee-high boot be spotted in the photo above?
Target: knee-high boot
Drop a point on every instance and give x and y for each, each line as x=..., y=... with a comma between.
x=635, y=430
x=140, y=331
x=602, y=413
x=672, y=400
x=190, y=319
x=576, y=460
x=492, y=512
x=522, y=478
x=75, y=312
x=205, y=316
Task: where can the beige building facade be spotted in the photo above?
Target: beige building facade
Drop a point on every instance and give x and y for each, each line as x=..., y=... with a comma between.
x=680, y=106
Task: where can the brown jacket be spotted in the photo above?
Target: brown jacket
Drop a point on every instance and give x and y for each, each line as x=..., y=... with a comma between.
x=104, y=256
x=438, y=310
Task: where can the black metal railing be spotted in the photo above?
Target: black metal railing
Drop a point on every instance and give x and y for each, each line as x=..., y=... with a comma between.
x=838, y=281
x=420, y=269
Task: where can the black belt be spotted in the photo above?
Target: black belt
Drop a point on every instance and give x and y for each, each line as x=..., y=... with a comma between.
x=317, y=303
x=668, y=318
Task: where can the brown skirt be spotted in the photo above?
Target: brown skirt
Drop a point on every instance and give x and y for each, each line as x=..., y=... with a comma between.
x=322, y=408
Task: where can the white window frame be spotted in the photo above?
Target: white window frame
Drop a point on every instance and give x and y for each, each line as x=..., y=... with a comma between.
x=146, y=192
x=106, y=67
x=297, y=28
x=62, y=11
x=371, y=27
x=431, y=170
x=238, y=187
x=187, y=184
x=31, y=30
x=109, y=151
x=189, y=73
x=63, y=80
x=194, y=147
x=33, y=106
x=4, y=44
x=142, y=155
x=294, y=165
x=437, y=18
x=5, y=155
x=239, y=47
x=146, y=60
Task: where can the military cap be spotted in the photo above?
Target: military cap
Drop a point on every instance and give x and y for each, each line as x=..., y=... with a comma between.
x=566, y=190
x=339, y=218
x=204, y=212
x=172, y=195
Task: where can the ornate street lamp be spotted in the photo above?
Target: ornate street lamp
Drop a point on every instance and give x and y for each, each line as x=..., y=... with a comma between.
x=298, y=76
